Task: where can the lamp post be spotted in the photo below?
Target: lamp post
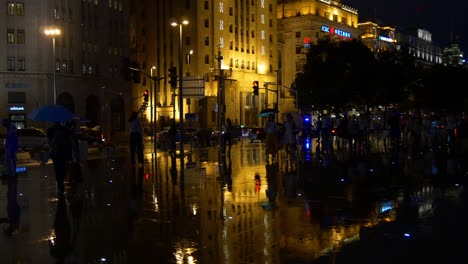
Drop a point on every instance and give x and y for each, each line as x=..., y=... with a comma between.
x=181, y=97
x=53, y=31
x=152, y=109
x=188, y=61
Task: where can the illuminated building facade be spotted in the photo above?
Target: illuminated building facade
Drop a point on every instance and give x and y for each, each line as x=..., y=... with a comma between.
x=453, y=56
x=377, y=38
x=303, y=22
x=242, y=32
x=419, y=43
x=88, y=60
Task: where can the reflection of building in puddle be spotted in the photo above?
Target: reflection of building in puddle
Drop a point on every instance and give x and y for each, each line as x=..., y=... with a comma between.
x=309, y=237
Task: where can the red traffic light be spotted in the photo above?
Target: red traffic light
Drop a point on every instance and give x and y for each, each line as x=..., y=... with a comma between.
x=145, y=95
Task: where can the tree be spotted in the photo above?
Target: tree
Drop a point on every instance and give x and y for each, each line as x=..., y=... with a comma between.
x=336, y=75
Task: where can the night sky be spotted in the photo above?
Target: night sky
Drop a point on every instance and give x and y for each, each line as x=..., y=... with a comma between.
x=446, y=20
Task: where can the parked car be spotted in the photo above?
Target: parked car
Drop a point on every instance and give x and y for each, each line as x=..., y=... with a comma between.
x=257, y=133
x=32, y=137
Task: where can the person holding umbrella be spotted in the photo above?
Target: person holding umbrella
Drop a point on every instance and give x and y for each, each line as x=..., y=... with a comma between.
x=60, y=143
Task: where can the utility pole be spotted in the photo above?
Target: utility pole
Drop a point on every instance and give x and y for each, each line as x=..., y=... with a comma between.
x=221, y=106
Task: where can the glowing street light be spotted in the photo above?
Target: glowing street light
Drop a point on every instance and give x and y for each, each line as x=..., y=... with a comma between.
x=52, y=32
x=184, y=22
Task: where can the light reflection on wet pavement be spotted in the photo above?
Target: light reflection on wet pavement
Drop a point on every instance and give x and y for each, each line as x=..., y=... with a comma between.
x=235, y=209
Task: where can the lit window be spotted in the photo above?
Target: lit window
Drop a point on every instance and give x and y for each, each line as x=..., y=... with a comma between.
x=221, y=42
x=10, y=35
x=64, y=66
x=262, y=19
x=11, y=9
x=262, y=3
x=263, y=34
x=57, y=65
x=221, y=25
x=83, y=69
x=19, y=9
x=263, y=50
x=221, y=7
x=20, y=36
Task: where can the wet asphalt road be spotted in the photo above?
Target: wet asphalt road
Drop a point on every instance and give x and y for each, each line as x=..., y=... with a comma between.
x=218, y=210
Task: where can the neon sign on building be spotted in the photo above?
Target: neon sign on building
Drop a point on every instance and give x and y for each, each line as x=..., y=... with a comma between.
x=335, y=31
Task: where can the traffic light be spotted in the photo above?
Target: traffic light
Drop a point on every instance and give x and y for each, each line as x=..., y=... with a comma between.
x=255, y=87
x=173, y=76
x=145, y=96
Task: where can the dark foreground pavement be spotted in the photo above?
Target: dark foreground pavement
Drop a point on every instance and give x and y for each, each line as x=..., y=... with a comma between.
x=218, y=210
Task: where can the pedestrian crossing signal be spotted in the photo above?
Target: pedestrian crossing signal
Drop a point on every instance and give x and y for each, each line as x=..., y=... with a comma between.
x=255, y=87
x=145, y=95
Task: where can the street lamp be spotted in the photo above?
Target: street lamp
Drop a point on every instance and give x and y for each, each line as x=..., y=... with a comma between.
x=153, y=108
x=188, y=61
x=53, y=31
x=181, y=98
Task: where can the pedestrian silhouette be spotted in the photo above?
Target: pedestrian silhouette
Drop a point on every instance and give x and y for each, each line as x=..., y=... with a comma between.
x=227, y=135
x=60, y=143
x=136, y=139
x=11, y=147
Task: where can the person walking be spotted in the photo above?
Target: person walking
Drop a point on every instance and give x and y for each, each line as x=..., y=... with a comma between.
x=227, y=134
x=13, y=209
x=60, y=143
x=136, y=139
x=271, y=139
x=11, y=147
x=289, y=136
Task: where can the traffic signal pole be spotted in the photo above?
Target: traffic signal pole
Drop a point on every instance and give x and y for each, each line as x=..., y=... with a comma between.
x=221, y=106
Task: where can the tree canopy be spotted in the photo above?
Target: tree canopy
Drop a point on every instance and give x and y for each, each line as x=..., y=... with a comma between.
x=346, y=74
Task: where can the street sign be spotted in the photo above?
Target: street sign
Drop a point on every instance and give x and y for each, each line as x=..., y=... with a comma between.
x=193, y=86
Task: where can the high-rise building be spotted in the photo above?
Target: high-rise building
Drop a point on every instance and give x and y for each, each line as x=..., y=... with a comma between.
x=377, y=37
x=81, y=65
x=235, y=38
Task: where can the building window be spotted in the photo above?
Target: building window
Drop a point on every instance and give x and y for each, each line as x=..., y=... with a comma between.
x=253, y=17
x=231, y=62
x=64, y=66
x=335, y=18
x=21, y=63
x=230, y=11
x=230, y=28
x=11, y=9
x=207, y=59
x=72, y=67
x=253, y=50
x=207, y=41
x=11, y=63
x=188, y=41
x=207, y=23
x=271, y=23
x=10, y=36
x=230, y=45
x=57, y=65
x=298, y=49
x=298, y=34
x=205, y=5
x=90, y=69
x=20, y=36
x=253, y=34
x=236, y=64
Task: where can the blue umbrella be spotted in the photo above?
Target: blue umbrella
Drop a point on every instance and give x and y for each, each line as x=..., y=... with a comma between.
x=51, y=113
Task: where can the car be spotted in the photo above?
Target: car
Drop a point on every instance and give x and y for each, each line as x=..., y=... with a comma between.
x=32, y=137
x=257, y=133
